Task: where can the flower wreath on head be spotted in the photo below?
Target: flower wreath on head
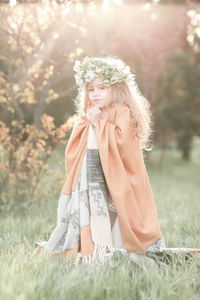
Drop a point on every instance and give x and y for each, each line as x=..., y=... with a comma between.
x=111, y=70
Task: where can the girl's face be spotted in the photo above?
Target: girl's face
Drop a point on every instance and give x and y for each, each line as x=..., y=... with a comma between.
x=99, y=94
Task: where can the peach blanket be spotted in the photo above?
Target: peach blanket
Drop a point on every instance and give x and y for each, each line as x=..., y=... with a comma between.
x=125, y=172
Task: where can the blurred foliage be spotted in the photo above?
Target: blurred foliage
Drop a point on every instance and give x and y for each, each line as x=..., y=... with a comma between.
x=38, y=47
x=30, y=66
x=101, y=1
x=178, y=100
x=39, y=43
x=24, y=154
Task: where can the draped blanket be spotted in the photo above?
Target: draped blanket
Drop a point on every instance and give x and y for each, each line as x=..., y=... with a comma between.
x=87, y=223
x=106, y=203
x=125, y=174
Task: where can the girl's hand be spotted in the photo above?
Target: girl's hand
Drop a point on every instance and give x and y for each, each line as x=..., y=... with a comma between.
x=93, y=115
x=104, y=114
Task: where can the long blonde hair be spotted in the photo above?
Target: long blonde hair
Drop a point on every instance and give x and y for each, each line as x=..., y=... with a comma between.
x=140, y=113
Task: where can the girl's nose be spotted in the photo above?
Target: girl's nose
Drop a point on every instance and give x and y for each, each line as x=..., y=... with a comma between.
x=96, y=92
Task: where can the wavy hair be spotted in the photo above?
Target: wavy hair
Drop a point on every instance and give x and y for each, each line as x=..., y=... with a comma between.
x=140, y=110
x=128, y=94
x=139, y=106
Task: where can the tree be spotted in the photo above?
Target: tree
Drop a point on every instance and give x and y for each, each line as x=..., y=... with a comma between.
x=178, y=111
x=31, y=60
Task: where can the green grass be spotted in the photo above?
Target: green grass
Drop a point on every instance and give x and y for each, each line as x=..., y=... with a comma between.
x=176, y=188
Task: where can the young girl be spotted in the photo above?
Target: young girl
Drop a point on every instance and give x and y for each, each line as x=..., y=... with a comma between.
x=106, y=203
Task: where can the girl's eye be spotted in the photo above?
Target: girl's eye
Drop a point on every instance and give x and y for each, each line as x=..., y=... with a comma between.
x=101, y=88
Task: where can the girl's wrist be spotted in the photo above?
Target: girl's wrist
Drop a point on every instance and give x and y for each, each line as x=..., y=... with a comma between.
x=104, y=114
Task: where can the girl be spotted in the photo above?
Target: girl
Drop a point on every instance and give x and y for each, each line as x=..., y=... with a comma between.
x=106, y=203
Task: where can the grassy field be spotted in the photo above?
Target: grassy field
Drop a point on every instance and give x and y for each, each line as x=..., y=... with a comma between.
x=176, y=189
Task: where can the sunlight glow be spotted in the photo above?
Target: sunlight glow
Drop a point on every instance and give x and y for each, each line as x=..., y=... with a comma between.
x=193, y=29
x=74, y=54
x=72, y=24
x=55, y=35
x=146, y=6
x=79, y=8
x=105, y=5
x=13, y=25
x=13, y=2
x=191, y=13
x=197, y=31
x=65, y=10
x=118, y=2
x=91, y=8
x=190, y=38
x=154, y=16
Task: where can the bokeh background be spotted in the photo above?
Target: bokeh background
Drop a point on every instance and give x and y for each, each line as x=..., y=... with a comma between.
x=39, y=42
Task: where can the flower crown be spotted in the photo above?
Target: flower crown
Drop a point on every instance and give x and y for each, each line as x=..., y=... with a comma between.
x=111, y=70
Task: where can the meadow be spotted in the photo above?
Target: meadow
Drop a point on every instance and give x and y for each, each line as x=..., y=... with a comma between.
x=24, y=275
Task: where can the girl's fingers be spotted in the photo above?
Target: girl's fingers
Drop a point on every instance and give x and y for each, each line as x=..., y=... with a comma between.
x=94, y=114
x=98, y=109
x=95, y=108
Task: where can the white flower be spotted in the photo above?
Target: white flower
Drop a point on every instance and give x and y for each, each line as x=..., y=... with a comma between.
x=90, y=75
x=111, y=70
x=77, y=65
x=98, y=70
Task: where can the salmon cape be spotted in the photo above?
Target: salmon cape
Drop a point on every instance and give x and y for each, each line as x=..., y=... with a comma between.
x=125, y=173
